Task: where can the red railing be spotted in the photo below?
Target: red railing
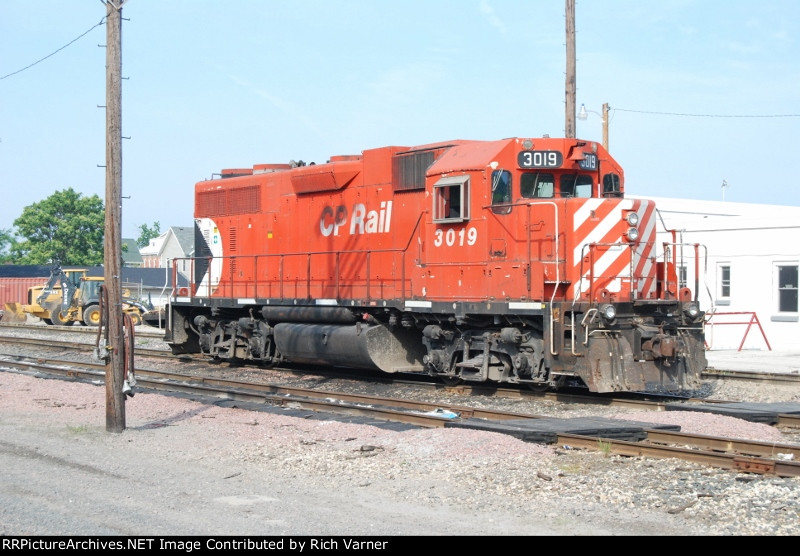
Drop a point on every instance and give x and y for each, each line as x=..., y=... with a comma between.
x=753, y=320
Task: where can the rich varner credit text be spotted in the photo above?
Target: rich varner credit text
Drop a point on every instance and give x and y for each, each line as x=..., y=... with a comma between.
x=190, y=545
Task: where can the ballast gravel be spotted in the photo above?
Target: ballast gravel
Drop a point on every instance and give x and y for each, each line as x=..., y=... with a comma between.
x=184, y=467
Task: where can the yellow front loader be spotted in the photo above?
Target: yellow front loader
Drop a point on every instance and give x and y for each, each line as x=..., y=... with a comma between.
x=45, y=301
x=69, y=296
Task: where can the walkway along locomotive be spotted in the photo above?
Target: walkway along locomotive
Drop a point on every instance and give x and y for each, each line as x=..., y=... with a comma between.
x=517, y=260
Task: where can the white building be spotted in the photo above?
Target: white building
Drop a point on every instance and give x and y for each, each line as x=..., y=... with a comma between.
x=174, y=244
x=749, y=259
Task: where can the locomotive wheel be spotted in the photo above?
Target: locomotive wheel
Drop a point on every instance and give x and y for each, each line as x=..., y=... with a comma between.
x=451, y=380
x=92, y=316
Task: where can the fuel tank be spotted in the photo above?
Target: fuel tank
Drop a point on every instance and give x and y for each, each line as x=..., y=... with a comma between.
x=365, y=346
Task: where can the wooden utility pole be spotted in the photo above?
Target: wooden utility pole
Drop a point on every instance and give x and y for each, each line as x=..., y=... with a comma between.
x=569, y=125
x=112, y=256
x=605, y=125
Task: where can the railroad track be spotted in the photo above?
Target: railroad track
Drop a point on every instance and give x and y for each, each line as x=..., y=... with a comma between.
x=77, y=329
x=151, y=332
x=731, y=454
x=642, y=402
x=764, y=376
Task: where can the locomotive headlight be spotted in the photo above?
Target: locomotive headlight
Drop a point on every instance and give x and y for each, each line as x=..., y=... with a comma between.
x=632, y=234
x=608, y=312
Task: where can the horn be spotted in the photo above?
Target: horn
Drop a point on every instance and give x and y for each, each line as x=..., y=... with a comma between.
x=577, y=155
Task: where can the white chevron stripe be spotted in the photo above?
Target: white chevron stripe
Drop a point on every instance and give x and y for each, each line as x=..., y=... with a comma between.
x=598, y=232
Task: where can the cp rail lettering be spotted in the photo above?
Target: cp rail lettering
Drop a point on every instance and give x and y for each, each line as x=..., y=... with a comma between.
x=361, y=220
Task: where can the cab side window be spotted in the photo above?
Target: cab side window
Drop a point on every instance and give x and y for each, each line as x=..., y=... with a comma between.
x=611, y=186
x=501, y=192
x=451, y=199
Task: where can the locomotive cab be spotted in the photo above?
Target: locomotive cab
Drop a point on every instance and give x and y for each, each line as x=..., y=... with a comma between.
x=554, y=249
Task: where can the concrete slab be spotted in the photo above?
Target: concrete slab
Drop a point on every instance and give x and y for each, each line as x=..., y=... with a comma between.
x=753, y=360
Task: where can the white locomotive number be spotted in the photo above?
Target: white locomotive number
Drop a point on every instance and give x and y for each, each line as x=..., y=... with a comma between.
x=540, y=159
x=450, y=238
x=589, y=162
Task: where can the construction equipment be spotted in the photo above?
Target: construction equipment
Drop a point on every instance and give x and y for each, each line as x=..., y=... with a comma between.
x=69, y=296
x=42, y=300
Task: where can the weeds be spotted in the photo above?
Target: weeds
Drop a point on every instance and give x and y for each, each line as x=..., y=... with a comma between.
x=604, y=448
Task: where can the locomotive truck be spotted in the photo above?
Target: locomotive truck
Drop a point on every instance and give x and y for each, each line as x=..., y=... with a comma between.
x=517, y=260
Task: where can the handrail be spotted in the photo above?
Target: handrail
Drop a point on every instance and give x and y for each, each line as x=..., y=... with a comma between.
x=256, y=264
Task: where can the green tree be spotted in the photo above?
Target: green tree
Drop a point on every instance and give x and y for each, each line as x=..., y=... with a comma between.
x=7, y=242
x=66, y=227
x=146, y=234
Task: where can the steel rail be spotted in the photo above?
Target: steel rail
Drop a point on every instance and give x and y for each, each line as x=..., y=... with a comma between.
x=783, y=420
x=730, y=461
x=728, y=445
x=792, y=378
x=464, y=389
x=76, y=329
x=255, y=391
x=254, y=397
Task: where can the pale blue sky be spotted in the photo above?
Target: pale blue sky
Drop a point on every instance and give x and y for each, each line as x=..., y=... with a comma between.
x=700, y=91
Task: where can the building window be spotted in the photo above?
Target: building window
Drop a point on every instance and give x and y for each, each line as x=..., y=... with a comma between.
x=724, y=284
x=787, y=288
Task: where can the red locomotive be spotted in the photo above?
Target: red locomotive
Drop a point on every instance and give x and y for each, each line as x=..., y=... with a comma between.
x=516, y=260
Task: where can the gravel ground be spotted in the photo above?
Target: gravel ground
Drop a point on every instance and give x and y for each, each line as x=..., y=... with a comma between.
x=182, y=467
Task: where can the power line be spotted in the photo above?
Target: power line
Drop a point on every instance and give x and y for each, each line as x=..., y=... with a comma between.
x=102, y=21
x=710, y=115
